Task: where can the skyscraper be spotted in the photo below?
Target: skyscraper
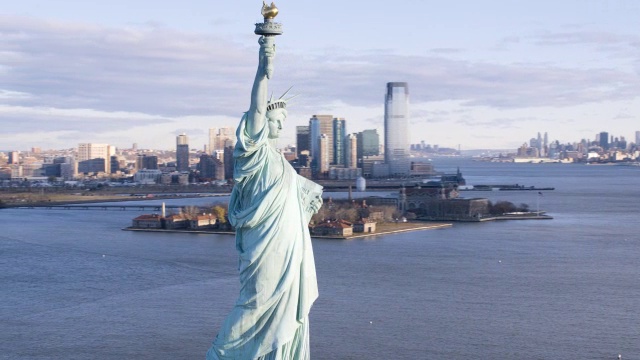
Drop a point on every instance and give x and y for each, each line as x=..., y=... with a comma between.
x=210, y=168
x=637, y=138
x=14, y=158
x=339, y=134
x=368, y=143
x=396, y=127
x=228, y=162
x=323, y=154
x=182, y=153
x=212, y=140
x=225, y=137
x=302, y=139
x=603, y=140
x=91, y=151
x=318, y=125
x=149, y=162
x=351, y=158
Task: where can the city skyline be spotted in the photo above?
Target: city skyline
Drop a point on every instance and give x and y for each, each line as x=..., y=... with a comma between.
x=482, y=75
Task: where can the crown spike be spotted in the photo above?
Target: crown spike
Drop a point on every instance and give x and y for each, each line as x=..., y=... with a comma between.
x=286, y=92
x=292, y=97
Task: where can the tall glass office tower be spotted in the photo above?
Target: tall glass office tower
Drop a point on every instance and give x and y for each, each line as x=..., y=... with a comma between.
x=396, y=124
x=182, y=153
x=339, y=134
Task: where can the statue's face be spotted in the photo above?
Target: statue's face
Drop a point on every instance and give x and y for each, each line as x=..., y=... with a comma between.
x=275, y=119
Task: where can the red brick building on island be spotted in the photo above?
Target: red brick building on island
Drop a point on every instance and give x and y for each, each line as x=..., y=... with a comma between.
x=153, y=221
x=333, y=228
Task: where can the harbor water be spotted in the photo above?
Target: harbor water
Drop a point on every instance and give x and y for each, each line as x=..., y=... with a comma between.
x=73, y=285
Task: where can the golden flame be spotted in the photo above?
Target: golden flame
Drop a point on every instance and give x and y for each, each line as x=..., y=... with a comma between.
x=269, y=11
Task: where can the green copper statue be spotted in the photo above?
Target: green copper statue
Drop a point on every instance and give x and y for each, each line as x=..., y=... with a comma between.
x=270, y=207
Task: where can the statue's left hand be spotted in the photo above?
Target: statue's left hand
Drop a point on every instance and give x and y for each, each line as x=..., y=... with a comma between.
x=315, y=204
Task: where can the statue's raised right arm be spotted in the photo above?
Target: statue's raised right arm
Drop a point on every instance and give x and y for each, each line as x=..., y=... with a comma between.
x=258, y=108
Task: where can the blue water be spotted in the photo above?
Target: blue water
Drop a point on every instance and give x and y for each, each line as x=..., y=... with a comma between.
x=75, y=286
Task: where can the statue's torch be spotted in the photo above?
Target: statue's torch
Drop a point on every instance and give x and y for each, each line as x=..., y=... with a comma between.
x=268, y=28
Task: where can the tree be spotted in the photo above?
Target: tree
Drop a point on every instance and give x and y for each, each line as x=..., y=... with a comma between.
x=220, y=212
x=190, y=212
x=502, y=207
x=346, y=213
x=321, y=215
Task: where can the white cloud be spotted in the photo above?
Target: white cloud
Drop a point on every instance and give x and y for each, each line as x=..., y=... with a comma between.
x=84, y=80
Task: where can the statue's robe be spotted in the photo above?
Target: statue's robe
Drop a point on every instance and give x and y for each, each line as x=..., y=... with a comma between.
x=269, y=208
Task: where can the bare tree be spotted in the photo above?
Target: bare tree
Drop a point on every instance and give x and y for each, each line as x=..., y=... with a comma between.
x=191, y=212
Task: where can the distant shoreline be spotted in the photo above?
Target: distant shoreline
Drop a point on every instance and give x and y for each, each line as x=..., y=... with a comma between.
x=390, y=228
x=92, y=199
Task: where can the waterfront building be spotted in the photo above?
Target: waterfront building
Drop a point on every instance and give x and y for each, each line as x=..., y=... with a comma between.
x=203, y=221
x=148, y=221
x=339, y=134
x=182, y=153
x=147, y=176
x=364, y=225
x=637, y=138
x=333, y=228
x=396, y=127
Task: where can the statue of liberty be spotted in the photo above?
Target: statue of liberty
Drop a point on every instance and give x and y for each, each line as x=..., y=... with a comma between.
x=270, y=207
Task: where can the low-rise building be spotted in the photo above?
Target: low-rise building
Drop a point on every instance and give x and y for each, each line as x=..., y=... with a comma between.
x=333, y=228
x=204, y=221
x=177, y=221
x=364, y=225
x=153, y=221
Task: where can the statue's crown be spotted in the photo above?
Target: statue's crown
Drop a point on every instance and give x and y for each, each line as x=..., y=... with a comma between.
x=280, y=103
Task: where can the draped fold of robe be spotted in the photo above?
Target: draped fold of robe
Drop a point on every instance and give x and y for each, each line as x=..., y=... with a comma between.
x=270, y=209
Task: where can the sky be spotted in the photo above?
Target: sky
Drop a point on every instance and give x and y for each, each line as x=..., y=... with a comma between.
x=482, y=74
